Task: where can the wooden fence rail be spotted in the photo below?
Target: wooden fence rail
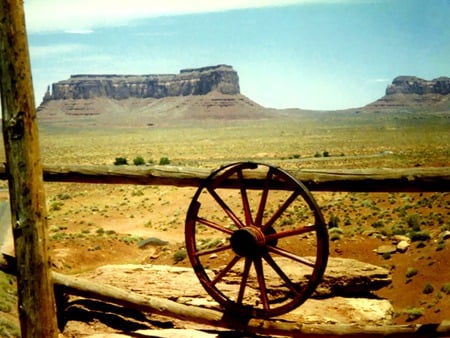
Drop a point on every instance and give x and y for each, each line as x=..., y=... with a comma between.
x=351, y=180
x=161, y=306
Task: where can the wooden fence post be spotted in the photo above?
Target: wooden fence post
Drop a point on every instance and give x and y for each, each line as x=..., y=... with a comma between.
x=37, y=312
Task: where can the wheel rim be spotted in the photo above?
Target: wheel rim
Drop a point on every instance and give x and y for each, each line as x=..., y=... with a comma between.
x=269, y=235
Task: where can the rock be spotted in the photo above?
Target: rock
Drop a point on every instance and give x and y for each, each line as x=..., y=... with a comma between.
x=413, y=93
x=164, y=333
x=197, y=81
x=445, y=235
x=153, y=241
x=386, y=249
x=343, y=276
x=402, y=246
x=415, y=85
x=399, y=238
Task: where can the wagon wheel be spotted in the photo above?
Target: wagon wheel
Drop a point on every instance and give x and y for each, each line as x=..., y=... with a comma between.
x=267, y=234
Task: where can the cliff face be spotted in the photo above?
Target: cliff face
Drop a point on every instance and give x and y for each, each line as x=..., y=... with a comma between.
x=197, y=81
x=411, y=93
x=415, y=85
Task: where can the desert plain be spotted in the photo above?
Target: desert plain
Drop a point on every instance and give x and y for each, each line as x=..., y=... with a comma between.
x=90, y=225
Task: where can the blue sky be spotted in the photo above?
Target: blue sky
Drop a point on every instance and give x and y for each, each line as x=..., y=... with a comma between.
x=323, y=54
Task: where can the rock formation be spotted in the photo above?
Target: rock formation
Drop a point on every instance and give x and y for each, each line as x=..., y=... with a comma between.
x=415, y=85
x=411, y=93
x=344, y=296
x=196, y=81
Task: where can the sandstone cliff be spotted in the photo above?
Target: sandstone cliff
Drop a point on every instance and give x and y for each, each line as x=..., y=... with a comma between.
x=414, y=94
x=199, y=81
x=415, y=85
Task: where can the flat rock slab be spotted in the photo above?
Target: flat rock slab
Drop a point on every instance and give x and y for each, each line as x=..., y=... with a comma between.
x=181, y=285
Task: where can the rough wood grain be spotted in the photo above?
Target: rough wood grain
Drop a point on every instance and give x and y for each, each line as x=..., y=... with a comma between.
x=352, y=180
x=37, y=311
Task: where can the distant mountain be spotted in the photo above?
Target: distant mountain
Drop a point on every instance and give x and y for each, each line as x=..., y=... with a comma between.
x=135, y=100
x=199, y=93
x=414, y=94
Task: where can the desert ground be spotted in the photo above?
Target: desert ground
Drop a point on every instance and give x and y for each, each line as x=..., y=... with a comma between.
x=90, y=225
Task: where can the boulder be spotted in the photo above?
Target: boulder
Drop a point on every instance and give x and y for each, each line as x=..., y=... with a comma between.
x=402, y=246
x=343, y=277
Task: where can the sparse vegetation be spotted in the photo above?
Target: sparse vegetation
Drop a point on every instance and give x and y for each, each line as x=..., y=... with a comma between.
x=445, y=288
x=413, y=313
x=139, y=160
x=179, y=255
x=120, y=161
x=410, y=272
x=164, y=161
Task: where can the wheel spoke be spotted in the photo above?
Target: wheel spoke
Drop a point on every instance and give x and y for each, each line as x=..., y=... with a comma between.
x=226, y=208
x=247, y=212
x=280, y=273
x=290, y=255
x=225, y=270
x=211, y=251
x=281, y=209
x=293, y=232
x=214, y=225
x=261, y=282
x=263, y=201
x=248, y=264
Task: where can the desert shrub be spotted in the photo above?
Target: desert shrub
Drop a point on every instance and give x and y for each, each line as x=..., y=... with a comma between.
x=445, y=288
x=419, y=236
x=138, y=160
x=413, y=313
x=413, y=222
x=179, y=255
x=333, y=221
x=120, y=161
x=428, y=288
x=326, y=154
x=63, y=196
x=164, y=161
x=440, y=245
x=317, y=154
x=378, y=224
x=386, y=255
x=410, y=272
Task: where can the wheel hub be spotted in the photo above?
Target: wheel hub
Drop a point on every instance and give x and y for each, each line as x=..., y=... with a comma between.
x=247, y=241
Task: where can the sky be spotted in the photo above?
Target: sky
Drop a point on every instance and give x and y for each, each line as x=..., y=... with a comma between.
x=309, y=54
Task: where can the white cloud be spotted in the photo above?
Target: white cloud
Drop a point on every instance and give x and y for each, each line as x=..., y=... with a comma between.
x=84, y=15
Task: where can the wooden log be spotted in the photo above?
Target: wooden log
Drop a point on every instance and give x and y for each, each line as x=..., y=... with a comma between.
x=86, y=288
x=352, y=180
x=37, y=310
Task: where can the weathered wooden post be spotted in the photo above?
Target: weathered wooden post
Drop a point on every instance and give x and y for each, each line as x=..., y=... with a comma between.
x=37, y=311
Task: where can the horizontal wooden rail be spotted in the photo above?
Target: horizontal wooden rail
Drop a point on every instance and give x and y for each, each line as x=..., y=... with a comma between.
x=164, y=307
x=351, y=180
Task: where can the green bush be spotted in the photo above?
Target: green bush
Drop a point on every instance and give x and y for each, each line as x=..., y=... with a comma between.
x=428, y=288
x=378, y=224
x=120, y=161
x=413, y=313
x=419, y=236
x=445, y=288
x=410, y=272
x=333, y=222
x=164, y=161
x=179, y=255
x=413, y=222
x=138, y=160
